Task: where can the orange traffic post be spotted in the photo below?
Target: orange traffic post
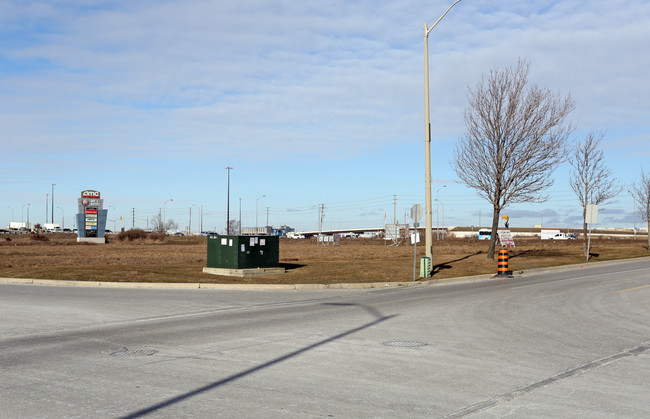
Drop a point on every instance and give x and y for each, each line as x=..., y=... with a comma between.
x=502, y=265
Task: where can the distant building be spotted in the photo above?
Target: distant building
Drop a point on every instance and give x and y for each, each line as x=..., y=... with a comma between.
x=267, y=231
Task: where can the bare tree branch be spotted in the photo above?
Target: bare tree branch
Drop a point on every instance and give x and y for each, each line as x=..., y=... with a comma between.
x=590, y=179
x=515, y=137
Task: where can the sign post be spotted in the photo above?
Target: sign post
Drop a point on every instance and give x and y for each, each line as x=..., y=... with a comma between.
x=416, y=215
x=591, y=217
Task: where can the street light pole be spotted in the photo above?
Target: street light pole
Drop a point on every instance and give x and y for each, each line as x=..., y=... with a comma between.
x=52, y=219
x=240, y=229
x=443, y=219
x=62, y=218
x=427, y=141
x=228, y=168
x=194, y=205
x=256, y=208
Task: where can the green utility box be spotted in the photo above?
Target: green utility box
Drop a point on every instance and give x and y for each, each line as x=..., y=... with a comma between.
x=425, y=267
x=243, y=252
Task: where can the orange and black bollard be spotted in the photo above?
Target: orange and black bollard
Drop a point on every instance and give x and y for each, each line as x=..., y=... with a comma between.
x=502, y=265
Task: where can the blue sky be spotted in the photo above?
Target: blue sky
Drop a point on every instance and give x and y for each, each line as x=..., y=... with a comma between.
x=311, y=102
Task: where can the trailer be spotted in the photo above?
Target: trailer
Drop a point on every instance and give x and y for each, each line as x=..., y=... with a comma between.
x=549, y=234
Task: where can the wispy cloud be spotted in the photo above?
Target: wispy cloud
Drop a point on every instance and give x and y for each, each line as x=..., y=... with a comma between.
x=313, y=81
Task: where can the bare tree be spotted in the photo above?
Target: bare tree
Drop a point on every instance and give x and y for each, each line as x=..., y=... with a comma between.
x=235, y=228
x=156, y=223
x=590, y=179
x=641, y=192
x=515, y=137
x=159, y=226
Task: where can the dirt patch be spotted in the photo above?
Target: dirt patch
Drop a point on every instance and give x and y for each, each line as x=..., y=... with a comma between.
x=181, y=259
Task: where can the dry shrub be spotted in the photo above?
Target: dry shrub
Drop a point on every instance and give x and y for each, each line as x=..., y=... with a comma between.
x=38, y=237
x=132, y=235
x=158, y=236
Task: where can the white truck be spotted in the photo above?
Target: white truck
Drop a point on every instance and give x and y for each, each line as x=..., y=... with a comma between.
x=556, y=235
x=14, y=226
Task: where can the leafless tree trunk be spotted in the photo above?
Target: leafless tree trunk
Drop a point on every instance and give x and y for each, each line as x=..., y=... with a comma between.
x=156, y=223
x=641, y=192
x=235, y=228
x=590, y=179
x=515, y=137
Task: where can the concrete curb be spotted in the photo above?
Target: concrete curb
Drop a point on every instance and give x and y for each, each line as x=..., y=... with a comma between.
x=195, y=285
x=271, y=287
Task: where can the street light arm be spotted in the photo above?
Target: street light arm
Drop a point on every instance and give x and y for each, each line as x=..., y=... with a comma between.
x=426, y=31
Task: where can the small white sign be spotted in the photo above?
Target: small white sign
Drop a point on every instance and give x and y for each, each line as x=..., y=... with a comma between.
x=262, y=242
x=224, y=241
x=415, y=238
x=505, y=237
x=591, y=214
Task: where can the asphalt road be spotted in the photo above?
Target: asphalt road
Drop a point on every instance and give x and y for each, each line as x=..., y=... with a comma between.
x=564, y=344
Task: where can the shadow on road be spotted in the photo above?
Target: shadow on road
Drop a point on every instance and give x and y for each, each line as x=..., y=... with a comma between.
x=379, y=318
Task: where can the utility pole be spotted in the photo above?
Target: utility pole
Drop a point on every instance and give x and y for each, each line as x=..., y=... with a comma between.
x=394, y=209
x=62, y=217
x=321, y=214
x=133, y=219
x=189, y=225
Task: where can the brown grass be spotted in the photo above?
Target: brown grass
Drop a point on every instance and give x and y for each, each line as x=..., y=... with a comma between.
x=181, y=259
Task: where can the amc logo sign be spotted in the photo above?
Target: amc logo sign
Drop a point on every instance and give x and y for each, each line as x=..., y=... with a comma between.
x=90, y=194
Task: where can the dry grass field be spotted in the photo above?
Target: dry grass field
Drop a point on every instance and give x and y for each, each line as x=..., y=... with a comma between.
x=181, y=259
